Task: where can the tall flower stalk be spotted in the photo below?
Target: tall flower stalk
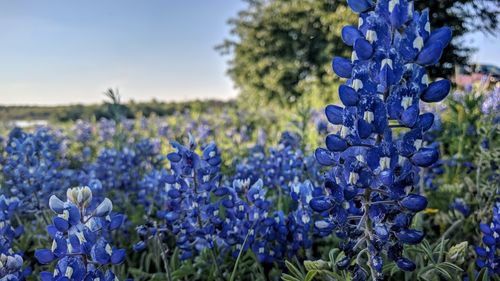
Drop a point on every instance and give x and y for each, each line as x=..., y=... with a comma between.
x=371, y=190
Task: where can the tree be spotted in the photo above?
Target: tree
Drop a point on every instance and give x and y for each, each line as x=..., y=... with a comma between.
x=282, y=49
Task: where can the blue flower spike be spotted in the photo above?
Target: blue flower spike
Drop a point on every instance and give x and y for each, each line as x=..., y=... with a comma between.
x=370, y=193
x=80, y=236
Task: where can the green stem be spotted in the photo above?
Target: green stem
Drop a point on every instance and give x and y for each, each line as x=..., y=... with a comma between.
x=164, y=257
x=233, y=274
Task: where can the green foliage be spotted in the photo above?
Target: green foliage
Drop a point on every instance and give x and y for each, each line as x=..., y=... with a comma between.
x=283, y=49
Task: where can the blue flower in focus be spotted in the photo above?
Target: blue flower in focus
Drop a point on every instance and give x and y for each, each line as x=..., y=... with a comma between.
x=371, y=192
x=80, y=238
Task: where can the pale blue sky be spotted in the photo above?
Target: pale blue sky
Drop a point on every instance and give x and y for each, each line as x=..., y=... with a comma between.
x=60, y=52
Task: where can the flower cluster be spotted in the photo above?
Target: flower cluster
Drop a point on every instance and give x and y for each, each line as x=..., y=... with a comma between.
x=183, y=197
x=488, y=256
x=32, y=167
x=280, y=167
x=202, y=210
x=80, y=238
x=370, y=193
x=11, y=262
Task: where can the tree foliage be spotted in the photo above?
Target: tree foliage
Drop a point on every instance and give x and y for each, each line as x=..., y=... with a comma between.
x=282, y=49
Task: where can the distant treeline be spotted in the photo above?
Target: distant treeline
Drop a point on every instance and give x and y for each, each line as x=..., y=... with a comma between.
x=105, y=110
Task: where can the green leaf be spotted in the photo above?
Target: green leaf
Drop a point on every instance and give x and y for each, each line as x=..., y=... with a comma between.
x=451, y=267
x=483, y=275
x=443, y=272
x=294, y=270
x=333, y=255
x=310, y=275
x=287, y=277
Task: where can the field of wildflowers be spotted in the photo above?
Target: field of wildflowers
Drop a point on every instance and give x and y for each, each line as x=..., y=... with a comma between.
x=398, y=182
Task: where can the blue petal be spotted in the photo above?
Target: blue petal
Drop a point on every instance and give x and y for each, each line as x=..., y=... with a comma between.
x=406, y=264
x=430, y=54
x=44, y=256
x=436, y=91
x=335, y=143
x=426, y=120
x=56, y=204
x=61, y=224
x=118, y=256
x=324, y=157
x=359, y=6
x=410, y=116
x=350, y=34
x=348, y=95
x=116, y=221
x=410, y=236
x=414, y=202
x=442, y=36
x=342, y=67
x=399, y=15
x=363, y=48
x=425, y=157
x=46, y=276
x=320, y=204
x=334, y=114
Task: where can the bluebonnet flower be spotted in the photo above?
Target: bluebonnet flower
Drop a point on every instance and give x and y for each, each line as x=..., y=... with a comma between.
x=83, y=131
x=122, y=169
x=488, y=255
x=461, y=206
x=370, y=194
x=183, y=196
x=491, y=103
x=81, y=236
x=107, y=129
x=33, y=166
x=11, y=261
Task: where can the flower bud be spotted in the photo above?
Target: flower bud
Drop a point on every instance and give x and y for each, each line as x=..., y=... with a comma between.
x=80, y=196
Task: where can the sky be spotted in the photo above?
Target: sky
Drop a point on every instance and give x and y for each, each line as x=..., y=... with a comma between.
x=66, y=52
